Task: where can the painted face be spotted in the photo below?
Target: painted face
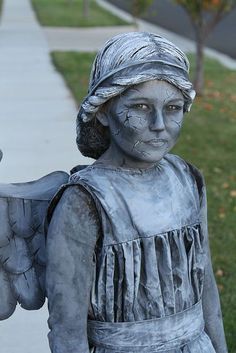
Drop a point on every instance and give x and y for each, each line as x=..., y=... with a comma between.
x=144, y=123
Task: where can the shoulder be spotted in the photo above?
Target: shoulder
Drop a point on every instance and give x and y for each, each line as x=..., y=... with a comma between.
x=187, y=169
x=81, y=174
x=71, y=200
x=75, y=195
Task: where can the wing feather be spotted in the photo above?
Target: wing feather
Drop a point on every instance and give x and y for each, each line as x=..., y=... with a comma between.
x=8, y=300
x=6, y=232
x=20, y=217
x=37, y=246
x=39, y=210
x=40, y=272
x=23, y=208
x=16, y=257
x=27, y=289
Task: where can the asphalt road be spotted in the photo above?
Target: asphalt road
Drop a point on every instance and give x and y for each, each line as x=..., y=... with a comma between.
x=165, y=13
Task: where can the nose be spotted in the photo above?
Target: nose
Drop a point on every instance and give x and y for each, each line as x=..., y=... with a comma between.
x=158, y=121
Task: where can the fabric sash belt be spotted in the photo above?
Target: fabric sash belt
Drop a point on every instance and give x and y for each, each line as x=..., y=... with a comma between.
x=154, y=335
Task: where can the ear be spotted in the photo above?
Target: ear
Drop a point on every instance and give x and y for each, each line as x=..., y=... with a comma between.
x=102, y=118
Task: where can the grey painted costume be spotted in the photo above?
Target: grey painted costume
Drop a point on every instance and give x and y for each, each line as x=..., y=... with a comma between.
x=150, y=265
x=129, y=267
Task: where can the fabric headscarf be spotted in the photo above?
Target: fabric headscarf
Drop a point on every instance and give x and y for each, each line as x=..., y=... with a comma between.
x=132, y=58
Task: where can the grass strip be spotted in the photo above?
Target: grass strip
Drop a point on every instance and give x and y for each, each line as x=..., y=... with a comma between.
x=208, y=140
x=69, y=13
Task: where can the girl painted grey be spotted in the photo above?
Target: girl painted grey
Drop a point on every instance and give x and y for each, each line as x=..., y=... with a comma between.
x=128, y=266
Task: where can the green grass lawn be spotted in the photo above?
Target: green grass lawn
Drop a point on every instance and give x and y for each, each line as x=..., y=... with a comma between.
x=68, y=13
x=209, y=141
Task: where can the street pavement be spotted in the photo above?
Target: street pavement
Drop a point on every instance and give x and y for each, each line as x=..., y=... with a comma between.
x=170, y=15
x=186, y=44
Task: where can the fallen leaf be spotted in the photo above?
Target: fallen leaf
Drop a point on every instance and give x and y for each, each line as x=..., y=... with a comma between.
x=225, y=185
x=219, y=273
x=233, y=193
x=215, y=2
x=223, y=110
x=215, y=94
x=221, y=209
x=208, y=106
x=233, y=97
x=209, y=83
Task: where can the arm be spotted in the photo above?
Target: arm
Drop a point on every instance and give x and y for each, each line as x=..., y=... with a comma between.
x=210, y=298
x=212, y=312
x=72, y=236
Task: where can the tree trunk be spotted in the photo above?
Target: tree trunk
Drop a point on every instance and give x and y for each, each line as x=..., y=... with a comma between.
x=86, y=8
x=135, y=12
x=199, y=73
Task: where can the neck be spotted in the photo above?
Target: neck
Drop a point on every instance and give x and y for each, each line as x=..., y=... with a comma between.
x=115, y=157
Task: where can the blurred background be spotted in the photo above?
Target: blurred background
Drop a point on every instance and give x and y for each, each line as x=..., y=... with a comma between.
x=46, y=51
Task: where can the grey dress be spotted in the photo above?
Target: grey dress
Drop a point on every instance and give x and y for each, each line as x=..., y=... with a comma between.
x=149, y=260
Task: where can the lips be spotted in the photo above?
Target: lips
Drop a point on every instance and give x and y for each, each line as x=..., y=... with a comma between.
x=157, y=142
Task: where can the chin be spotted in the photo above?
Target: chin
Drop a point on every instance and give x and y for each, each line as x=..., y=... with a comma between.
x=152, y=157
x=148, y=160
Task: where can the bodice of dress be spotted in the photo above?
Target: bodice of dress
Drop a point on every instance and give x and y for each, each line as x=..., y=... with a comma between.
x=150, y=258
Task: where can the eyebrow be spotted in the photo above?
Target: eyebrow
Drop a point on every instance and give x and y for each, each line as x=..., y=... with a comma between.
x=176, y=100
x=135, y=99
x=147, y=99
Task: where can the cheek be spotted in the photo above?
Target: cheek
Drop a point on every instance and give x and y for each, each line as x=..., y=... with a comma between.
x=133, y=121
x=174, y=123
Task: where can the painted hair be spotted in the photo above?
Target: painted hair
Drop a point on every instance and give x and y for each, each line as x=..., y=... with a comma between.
x=124, y=61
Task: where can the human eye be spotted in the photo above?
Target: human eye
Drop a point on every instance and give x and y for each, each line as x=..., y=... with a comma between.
x=174, y=107
x=140, y=106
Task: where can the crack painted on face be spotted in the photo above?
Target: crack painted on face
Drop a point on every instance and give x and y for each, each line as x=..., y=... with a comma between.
x=127, y=119
x=136, y=143
x=141, y=152
x=144, y=153
x=177, y=122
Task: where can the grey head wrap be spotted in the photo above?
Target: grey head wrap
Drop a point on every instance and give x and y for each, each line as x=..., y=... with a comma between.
x=126, y=60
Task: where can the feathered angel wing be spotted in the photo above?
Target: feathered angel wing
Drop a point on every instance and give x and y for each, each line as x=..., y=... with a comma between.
x=23, y=209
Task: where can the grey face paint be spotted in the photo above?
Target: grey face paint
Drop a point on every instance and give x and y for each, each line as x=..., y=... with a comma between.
x=144, y=123
x=125, y=61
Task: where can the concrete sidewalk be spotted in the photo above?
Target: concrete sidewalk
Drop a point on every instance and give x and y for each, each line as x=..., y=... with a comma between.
x=81, y=39
x=37, y=136
x=37, y=116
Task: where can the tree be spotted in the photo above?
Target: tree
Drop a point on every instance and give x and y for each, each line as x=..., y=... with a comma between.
x=86, y=8
x=204, y=16
x=139, y=7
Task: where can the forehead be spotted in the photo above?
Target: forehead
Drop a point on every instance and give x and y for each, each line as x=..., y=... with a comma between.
x=153, y=90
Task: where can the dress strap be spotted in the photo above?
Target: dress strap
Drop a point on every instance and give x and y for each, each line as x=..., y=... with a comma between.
x=148, y=336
